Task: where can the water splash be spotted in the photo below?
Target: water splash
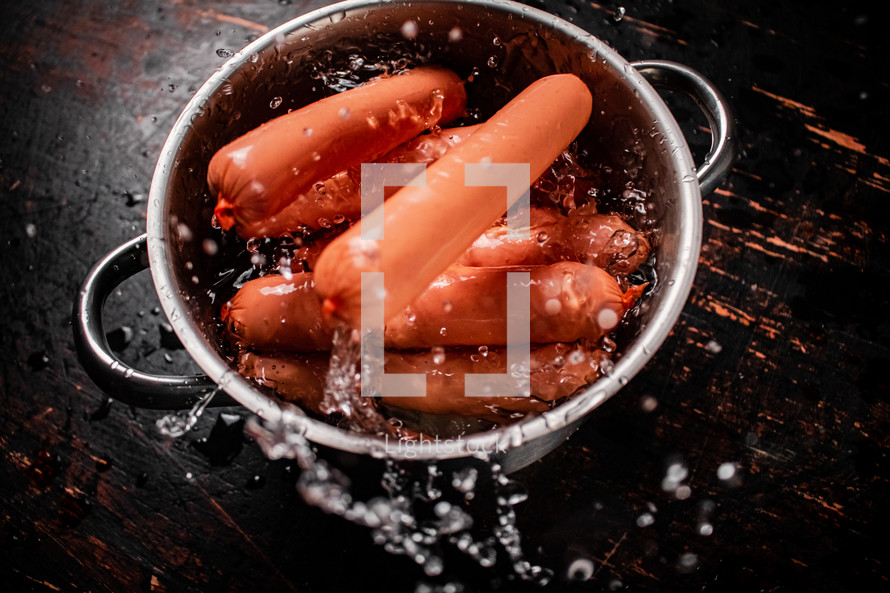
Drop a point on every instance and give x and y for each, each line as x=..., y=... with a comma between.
x=423, y=511
x=343, y=393
x=178, y=423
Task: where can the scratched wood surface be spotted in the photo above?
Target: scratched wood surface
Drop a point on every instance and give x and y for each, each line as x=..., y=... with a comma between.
x=776, y=367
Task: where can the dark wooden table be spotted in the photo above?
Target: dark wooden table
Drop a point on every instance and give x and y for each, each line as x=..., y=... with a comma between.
x=776, y=367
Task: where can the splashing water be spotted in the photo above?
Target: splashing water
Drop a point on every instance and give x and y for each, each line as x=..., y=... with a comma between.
x=344, y=392
x=178, y=423
x=421, y=513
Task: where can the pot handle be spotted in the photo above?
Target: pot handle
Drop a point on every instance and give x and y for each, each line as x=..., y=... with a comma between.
x=113, y=376
x=724, y=148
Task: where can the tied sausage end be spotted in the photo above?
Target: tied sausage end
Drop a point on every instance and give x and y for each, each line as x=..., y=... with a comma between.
x=225, y=312
x=630, y=296
x=331, y=307
x=224, y=213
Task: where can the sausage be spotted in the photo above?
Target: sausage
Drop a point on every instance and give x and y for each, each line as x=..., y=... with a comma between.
x=557, y=371
x=338, y=197
x=468, y=306
x=258, y=174
x=463, y=306
x=299, y=378
x=325, y=202
x=600, y=239
x=604, y=240
x=426, y=228
x=275, y=313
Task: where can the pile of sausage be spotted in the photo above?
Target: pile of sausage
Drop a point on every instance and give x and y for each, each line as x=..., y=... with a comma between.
x=446, y=248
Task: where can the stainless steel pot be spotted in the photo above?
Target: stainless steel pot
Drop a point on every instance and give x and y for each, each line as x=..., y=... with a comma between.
x=631, y=127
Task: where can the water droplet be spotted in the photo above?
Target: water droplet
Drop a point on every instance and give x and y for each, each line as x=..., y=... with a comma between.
x=185, y=232
x=275, y=103
x=576, y=356
x=552, y=306
x=455, y=34
x=409, y=29
x=224, y=443
x=581, y=569
x=120, y=338
x=133, y=198
x=433, y=566
x=607, y=319
x=726, y=471
x=512, y=493
x=169, y=339
x=648, y=403
x=253, y=245
x=618, y=14
x=438, y=355
x=677, y=472
x=687, y=562
x=492, y=62
x=224, y=53
x=645, y=520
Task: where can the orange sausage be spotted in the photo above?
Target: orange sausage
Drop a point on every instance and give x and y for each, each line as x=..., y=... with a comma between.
x=426, y=228
x=463, y=306
x=557, y=371
x=337, y=198
x=258, y=174
x=294, y=377
x=325, y=202
x=600, y=239
x=468, y=306
x=273, y=313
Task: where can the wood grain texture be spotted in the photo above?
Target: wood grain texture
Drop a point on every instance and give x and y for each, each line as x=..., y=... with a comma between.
x=777, y=364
